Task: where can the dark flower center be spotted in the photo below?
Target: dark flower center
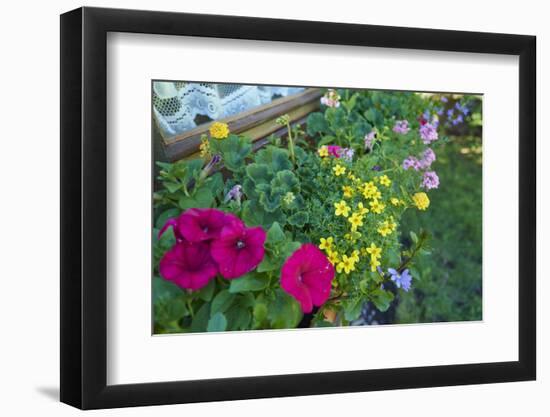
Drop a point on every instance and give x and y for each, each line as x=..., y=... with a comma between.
x=240, y=244
x=205, y=229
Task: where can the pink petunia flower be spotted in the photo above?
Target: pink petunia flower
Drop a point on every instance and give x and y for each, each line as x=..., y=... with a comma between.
x=199, y=224
x=238, y=250
x=307, y=275
x=334, y=150
x=188, y=265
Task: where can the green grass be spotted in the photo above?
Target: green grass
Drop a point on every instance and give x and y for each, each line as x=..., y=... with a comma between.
x=450, y=288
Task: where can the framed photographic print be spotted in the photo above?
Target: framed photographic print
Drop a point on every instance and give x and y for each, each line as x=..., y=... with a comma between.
x=257, y=208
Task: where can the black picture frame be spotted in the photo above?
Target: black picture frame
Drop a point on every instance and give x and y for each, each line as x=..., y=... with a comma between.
x=84, y=207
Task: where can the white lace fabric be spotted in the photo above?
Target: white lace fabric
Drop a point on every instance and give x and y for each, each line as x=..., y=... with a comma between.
x=177, y=104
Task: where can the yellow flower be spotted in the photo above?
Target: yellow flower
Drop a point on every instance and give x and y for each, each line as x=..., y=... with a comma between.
x=348, y=191
x=323, y=151
x=219, y=130
x=376, y=206
x=362, y=210
x=204, y=147
x=353, y=236
x=342, y=209
x=374, y=262
x=369, y=189
x=421, y=201
x=346, y=264
x=387, y=227
x=384, y=180
x=356, y=220
x=374, y=251
x=333, y=257
x=355, y=256
x=395, y=201
x=326, y=244
x=352, y=177
x=339, y=170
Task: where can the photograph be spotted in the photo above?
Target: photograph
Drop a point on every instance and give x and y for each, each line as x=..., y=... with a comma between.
x=289, y=207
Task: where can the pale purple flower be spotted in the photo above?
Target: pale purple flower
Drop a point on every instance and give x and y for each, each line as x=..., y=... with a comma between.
x=427, y=159
x=331, y=99
x=430, y=180
x=207, y=170
x=428, y=133
x=439, y=110
x=444, y=99
x=347, y=154
x=411, y=162
x=402, y=280
x=376, y=168
x=369, y=139
x=401, y=126
x=235, y=193
x=450, y=113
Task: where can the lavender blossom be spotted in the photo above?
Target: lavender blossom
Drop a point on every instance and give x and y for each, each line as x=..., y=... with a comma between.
x=401, y=126
x=428, y=133
x=235, y=194
x=411, y=162
x=347, y=154
x=369, y=139
x=430, y=180
x=402, y=280
x=427, y=159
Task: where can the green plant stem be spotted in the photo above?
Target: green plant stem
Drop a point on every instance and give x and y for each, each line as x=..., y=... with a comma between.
x=291, y=144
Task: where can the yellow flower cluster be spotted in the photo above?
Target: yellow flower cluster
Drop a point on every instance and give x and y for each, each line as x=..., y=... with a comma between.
x=387, y=227
x=375, y=254
x=421, y=201
x=323, y=151
x=347, y=264
x=342, y=263
x=348, y=191
x=339, y=170
x=204, y=147
x=219, y=130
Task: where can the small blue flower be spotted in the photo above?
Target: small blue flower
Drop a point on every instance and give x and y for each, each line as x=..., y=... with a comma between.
x=444, y=99
x=402, y=280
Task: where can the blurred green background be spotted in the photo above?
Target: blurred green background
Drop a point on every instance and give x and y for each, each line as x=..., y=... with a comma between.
x=450, y=287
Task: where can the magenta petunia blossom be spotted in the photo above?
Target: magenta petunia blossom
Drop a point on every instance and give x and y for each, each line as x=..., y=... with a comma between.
x=334, y=150
x=199, y=224
x=307, y=275
x=188, y=265
x=239, y=249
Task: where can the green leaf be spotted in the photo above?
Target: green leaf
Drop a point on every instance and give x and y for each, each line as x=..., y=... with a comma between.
x=284, y=312
x=202, y=198
x=382, y=299
x=299, y=219
x=277, y=158
x=238, y=318
x=234, y=150
x=316, y=123
x=285, y=181
x=353, y=308
x=165, y=215
x=326, y=140
x=275, y=234
x=163, y=290
x=249, y=282
x=221, y=302
x=260, y=312
x=200, y=321
x=414, y=237
x=259, y=173
x=269, y=263
x=217, y=323
x=207, y=292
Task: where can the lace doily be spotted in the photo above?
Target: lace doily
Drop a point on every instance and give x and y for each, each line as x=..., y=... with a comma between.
x=177, y=104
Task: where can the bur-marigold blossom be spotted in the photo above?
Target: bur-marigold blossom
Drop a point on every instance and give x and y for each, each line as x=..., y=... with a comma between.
x=356, y=220
x=219, y=130
x=361, y=209
x=376, y=206
x=323, y=151
x=339, y=170
x=421, y=201
x=307, y=276
x=326, y=244
x=348, y=191
x=342, y=208
x=385, y=180
x=238, y=250
x=188, y=265
x=374, y=251
x=346, y=264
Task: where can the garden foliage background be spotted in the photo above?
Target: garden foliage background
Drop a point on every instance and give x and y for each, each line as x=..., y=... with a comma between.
x=352, y=181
